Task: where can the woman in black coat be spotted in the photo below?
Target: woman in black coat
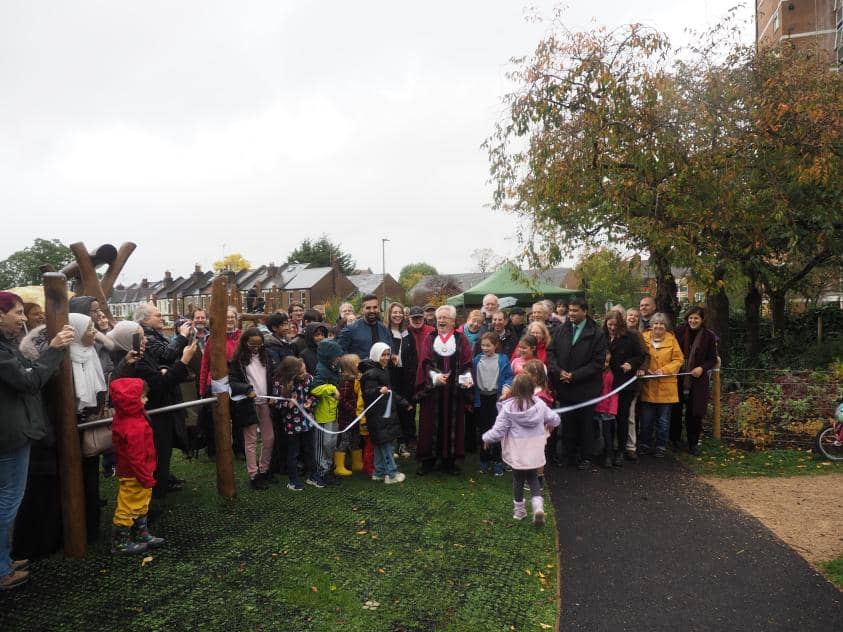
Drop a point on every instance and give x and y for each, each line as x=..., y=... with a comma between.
x=627, y=356
x=384, y=425
x=699, y=346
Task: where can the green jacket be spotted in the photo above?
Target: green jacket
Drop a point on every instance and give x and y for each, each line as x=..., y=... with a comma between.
x=23, y=417
x=327, y=403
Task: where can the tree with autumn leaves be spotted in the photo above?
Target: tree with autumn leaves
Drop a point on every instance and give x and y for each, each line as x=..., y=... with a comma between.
x=719, y=157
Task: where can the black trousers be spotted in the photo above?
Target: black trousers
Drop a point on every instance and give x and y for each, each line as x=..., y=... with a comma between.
x=518, y=479
x=408, y=423
x=471, y=430
x=579, y=432
x=485, y=418
x=162, y=437
x=91, y=486
x=625, y=398
x=301, y=443
x=693, y=423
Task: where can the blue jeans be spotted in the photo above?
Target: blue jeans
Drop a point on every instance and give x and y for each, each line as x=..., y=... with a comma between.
x=14, y=467
x=658, y=414
x=384, y=461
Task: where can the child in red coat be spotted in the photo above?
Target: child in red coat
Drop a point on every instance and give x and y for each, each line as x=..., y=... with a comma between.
x=132, y=438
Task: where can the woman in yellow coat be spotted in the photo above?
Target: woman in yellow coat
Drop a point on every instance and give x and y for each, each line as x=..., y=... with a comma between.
x=658, y=394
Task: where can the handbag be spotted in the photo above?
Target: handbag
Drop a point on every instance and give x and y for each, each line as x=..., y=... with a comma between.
x=96, y=441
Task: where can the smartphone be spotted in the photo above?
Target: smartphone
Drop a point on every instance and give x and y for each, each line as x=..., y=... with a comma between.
x=136, y=342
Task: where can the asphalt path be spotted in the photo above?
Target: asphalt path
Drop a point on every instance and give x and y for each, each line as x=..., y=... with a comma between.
x=650, y=547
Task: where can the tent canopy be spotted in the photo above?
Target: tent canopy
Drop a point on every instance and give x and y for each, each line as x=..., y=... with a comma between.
x=511, y=281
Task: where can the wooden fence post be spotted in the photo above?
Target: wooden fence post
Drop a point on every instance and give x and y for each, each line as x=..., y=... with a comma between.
x=219, y=370
x=67, y=436
x=715, y=431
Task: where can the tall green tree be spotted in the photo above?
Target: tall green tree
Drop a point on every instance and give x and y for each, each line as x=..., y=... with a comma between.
x=606, y=277
x=23, y=267
x=590, y=152
x=322, y=252
x=412, y=273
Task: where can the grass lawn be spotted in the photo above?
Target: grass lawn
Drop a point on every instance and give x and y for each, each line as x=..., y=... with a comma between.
x=720, y=459
x=834, y=571
x=433, y=553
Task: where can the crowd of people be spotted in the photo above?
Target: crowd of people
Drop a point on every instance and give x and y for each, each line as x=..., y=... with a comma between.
x=317, y=401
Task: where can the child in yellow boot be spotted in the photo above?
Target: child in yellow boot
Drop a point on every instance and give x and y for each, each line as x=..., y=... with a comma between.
x=350, y=406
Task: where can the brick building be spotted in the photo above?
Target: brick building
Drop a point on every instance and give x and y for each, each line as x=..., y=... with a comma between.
x=802, y=22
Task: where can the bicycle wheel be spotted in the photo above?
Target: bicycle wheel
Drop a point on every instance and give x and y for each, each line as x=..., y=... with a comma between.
x=829, y=446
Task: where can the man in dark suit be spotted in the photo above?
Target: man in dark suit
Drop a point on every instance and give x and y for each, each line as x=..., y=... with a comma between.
x=575, y=359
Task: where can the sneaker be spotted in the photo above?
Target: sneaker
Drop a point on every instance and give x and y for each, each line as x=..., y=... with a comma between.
x=519, y=512
x=295, y=486
x=403, y=451
x=497, y=469
x=375, y=477
x=584, y=464
x=660, y=452
x=398, y=477
x=109, y=472
x=20, y=565
x=14, y=579
x=630, y=455
x=316, y=481
x=696, y=450
x=484, y=467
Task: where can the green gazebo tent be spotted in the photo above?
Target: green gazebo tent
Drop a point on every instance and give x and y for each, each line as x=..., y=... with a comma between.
x=510, y=281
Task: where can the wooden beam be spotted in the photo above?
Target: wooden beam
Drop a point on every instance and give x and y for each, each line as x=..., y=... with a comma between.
x=116, y=267
x=67, y=436
x=219, y=370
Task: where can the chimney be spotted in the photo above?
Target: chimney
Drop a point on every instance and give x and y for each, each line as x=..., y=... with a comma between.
x=144, y=283
x=197, y=269
x=168, y=278
x=271, y=270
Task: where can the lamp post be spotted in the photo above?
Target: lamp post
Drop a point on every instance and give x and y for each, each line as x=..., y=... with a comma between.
x=383, y=269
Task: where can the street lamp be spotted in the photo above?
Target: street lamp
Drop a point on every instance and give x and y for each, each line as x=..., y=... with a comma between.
x=383, y=274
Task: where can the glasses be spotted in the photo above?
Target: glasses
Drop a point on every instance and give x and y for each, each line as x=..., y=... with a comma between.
x=251, y=346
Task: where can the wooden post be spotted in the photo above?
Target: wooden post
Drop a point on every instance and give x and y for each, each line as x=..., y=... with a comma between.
x=67, y=436
x=715, y=430
x=219, y=370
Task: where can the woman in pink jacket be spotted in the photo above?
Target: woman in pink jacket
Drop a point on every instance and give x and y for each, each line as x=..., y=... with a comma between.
x=523, y=424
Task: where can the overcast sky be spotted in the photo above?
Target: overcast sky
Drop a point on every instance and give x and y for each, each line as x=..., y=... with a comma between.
x=193, y=128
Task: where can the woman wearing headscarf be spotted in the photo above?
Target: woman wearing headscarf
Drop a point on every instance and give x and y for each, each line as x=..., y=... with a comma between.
x=24, y=421
x=91, y=390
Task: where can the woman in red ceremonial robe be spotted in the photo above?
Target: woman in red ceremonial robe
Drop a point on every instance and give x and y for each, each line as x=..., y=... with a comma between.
x=443, y=386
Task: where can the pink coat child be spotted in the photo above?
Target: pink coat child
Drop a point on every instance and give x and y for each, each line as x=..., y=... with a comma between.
x=608, y=406
x=522, y=433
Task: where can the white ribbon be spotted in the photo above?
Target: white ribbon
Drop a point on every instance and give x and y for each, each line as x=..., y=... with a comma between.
x=597, y=400
x=319, y=427
x=220, y=386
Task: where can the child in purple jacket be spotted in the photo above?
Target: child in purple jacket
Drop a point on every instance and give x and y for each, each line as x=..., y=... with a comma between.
x=522, y=426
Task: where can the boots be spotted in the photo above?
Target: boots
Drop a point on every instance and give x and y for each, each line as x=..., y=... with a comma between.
x=518, y=512
x=141, y=534
x=121, y=542
x=538, y=510
x=339, y=464
x=618, y=460
x=357, y=460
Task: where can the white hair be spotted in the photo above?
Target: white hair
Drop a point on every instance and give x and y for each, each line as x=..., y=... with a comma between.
x=449, y=310
x=143, y=312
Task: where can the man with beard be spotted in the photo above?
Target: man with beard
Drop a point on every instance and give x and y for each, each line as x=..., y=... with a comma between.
x=360, y=335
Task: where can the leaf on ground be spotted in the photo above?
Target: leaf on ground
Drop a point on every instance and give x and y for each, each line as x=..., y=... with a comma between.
x=314, y=589
x=147, y=560
x=371, y=605
x=545, y=626
x=362, y=532
x=381, y=571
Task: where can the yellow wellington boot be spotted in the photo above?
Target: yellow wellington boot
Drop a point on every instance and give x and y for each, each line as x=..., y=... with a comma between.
x=357, y=460
x=339, y=464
